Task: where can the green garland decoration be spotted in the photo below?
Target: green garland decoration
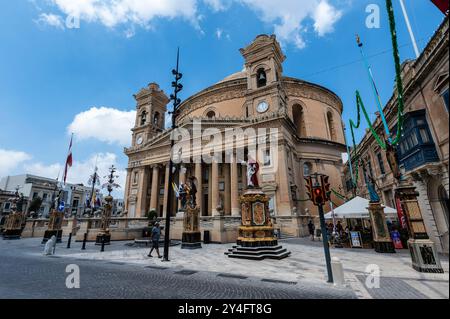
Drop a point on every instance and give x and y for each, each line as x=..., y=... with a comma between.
x=400, y=106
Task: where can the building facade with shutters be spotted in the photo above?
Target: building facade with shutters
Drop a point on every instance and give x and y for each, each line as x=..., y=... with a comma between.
x=423, y=149
x=300, y=122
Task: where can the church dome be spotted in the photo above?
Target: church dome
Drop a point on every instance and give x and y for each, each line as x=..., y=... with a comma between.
x=235, y=76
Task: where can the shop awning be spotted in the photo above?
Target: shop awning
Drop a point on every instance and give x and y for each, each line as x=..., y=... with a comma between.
x=357, y=208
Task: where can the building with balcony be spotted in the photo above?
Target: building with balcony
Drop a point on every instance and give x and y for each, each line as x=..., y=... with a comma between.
x=423, y=150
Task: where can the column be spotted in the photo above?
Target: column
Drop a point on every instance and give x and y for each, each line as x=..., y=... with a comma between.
x=127, y=190
x=155, y=184
x=143, y=192
x=209, y=208
x=198, y=175
x=284, y=191
x=166, y=189
x=244, y=177
x=214, y=188
x=227, y=189
x=235, y=211
x=181, y=180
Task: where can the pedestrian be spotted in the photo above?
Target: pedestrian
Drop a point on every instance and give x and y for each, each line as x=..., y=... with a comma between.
x=311, y=229
x=156, y=234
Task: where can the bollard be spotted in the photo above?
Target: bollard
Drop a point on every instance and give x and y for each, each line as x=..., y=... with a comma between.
x=84, y=242
x=69, y=241
x=338, y=271
x=103, y=243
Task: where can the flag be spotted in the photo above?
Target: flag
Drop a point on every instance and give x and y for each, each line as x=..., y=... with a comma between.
x=69, y=160
x=443, y=5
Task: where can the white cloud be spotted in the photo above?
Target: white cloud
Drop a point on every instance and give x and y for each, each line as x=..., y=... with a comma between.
x=81, y=170
x=325, y=17
x=104, y=124
x=51, y=20
x=289, y=17
x=218, y=5
x=116, y=12
x=10, y=160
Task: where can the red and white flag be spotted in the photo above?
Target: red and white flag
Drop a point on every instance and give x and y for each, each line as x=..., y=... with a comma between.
x=69, y=160
x=443, y=5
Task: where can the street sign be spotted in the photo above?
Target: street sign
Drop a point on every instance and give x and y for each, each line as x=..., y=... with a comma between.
x=61, y=206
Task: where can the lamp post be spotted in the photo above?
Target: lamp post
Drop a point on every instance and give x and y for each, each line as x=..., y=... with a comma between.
x=318, y=191
x=177, y=87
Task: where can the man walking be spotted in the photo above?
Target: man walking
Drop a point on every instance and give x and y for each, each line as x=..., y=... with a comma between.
x=311, y=229
x=156, y=234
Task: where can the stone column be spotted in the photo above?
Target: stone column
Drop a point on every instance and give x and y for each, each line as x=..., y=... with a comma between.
x=181, y=180
x=127, y=189
x=198, y=175
x=235, y=211
x=214, y=188
x=155, y=184
x=227, y=189
x=166, y=190
x=143, y=192
x=284, y=192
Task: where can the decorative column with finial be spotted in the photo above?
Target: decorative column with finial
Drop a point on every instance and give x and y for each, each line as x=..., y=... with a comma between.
x=104, y=236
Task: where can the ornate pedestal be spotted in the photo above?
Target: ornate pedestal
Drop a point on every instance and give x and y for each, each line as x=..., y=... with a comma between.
x=381, y=238
x=54, y=227
x=13, y=226
x=191, y=238
x=104, y=234
x=423, y=252
x=256, y=238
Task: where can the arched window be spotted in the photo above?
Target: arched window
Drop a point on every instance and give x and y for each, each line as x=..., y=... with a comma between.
x=331, y=126
x=307, y=169
x=143, y=117
x=299, y=120
x=211, y=114
x=261, y=78
x=156, y=119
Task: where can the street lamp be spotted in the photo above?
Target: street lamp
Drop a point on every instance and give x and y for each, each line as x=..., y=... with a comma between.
x=177, y=87
x=318, y=190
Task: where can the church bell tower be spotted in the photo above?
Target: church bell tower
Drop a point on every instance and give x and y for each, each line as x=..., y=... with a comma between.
x=263, y=62
x=151, y=106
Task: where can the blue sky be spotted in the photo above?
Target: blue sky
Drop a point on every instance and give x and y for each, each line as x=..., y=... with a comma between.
x=52, y=76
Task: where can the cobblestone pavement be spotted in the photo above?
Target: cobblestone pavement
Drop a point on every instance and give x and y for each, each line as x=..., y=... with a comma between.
x=26, y=273
x=302, y=274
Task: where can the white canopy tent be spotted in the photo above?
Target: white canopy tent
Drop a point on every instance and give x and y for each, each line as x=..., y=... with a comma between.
x=357, y=208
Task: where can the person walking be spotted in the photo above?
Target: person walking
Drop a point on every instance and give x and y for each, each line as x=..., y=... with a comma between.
x=156, y=234
x=311, y=229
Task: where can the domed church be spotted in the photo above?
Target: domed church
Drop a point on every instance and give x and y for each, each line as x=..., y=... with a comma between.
x=309, y=138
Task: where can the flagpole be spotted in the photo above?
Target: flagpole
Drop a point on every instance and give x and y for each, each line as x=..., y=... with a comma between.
x=374, y=88
x=408, y=25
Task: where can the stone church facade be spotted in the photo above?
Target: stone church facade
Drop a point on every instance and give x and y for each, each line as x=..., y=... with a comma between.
x=310, y=138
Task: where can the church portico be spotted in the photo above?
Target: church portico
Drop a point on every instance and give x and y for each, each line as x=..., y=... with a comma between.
x=291, y=128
